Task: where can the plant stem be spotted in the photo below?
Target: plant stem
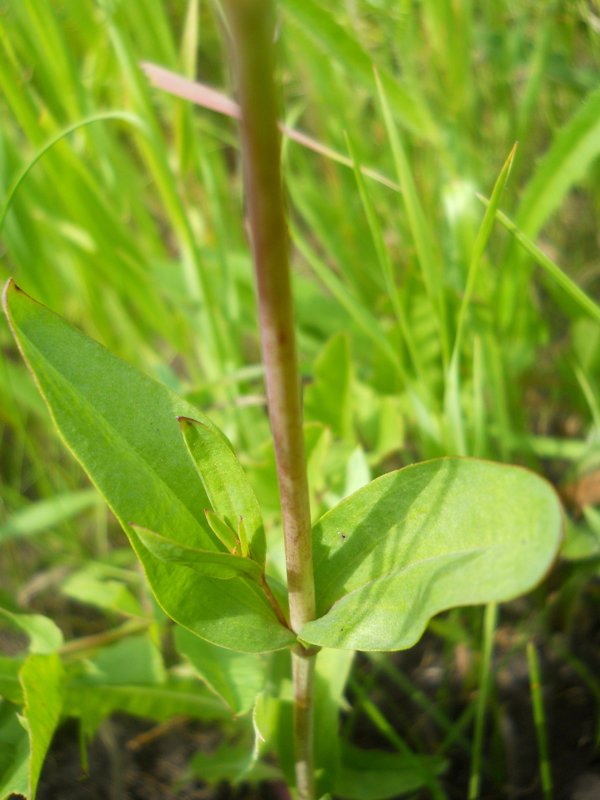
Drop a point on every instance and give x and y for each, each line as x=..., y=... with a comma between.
x=251, y=24
x=303, y=676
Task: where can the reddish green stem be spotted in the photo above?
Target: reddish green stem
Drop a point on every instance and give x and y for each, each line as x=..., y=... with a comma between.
x=252, y=33
x=251, y=25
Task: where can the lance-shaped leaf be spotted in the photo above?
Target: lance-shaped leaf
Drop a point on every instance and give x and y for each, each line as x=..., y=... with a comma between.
x=235, y=677
x=225, y=482
x=417, y=541
x=122, y=427
x=221, y=566
x=42, y=680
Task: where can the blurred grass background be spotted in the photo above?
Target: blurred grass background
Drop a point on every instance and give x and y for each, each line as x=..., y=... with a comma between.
x=132, y=228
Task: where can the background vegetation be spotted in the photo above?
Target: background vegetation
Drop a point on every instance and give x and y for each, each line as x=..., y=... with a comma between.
x=132, y=228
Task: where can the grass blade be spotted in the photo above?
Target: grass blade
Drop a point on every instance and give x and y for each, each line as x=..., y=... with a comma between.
x=540, y=721
x=559, y=277
x=489, y=627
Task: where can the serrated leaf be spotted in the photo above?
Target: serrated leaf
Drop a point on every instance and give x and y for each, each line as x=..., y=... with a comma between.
x=221, y=566
x=122, y=427
x=417, y=541
x=236, y=677
x=225, y=482
x=42, y=681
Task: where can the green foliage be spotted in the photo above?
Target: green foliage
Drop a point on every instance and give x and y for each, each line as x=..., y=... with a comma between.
x=423, y=332
x=237, y=678
x=328, y=399
x=377, y=775
x=45, y=514
x=43, y=633
x=225, y=484
x=14, y=754
x=423, y=539
x=123, y=428
x=42, y=681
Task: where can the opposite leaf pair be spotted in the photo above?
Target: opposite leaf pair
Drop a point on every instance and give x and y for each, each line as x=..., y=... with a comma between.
x=412, y=543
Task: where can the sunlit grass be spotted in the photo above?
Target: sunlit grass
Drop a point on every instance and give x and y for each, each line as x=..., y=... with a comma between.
x=135, y=233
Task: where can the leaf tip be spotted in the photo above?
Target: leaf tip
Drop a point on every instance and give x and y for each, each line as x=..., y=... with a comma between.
x=186, y=421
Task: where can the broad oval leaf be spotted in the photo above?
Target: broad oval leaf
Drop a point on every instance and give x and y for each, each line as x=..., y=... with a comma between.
x=122, y=427
x=444, y=533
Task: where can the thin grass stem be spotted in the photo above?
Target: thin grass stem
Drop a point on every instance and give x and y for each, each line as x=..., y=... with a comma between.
x=489, y=627
x=539, y=718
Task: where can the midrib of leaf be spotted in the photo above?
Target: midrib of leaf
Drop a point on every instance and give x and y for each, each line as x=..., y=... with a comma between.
x=155, y=693
x=454, y=555
x=107, y=430
x=370, y=544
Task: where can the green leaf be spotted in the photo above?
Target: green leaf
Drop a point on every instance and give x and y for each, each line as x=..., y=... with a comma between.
x=558, y=276
x=42, y=680
x=421, y=228
x=572, y=152
x=88, y=586
x=118, y=423
x=232, y=763
x=581, y=542
x=221, y=566
x=329, y=398
x=10, y=688
x=43, y=515
x=14, y=754
x=452, y=398
x=122, y=427
x=377, y=775
x=358, y=473
x=417, y=541
x=93, y=701
x=235, y=677
x=133, y=660
x=221, y=530
x=225, y=482
x=332, y=670
x=44, y=635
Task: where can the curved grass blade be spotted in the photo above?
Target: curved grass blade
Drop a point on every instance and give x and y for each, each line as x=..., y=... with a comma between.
x=552, y=269
x=123, y=116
